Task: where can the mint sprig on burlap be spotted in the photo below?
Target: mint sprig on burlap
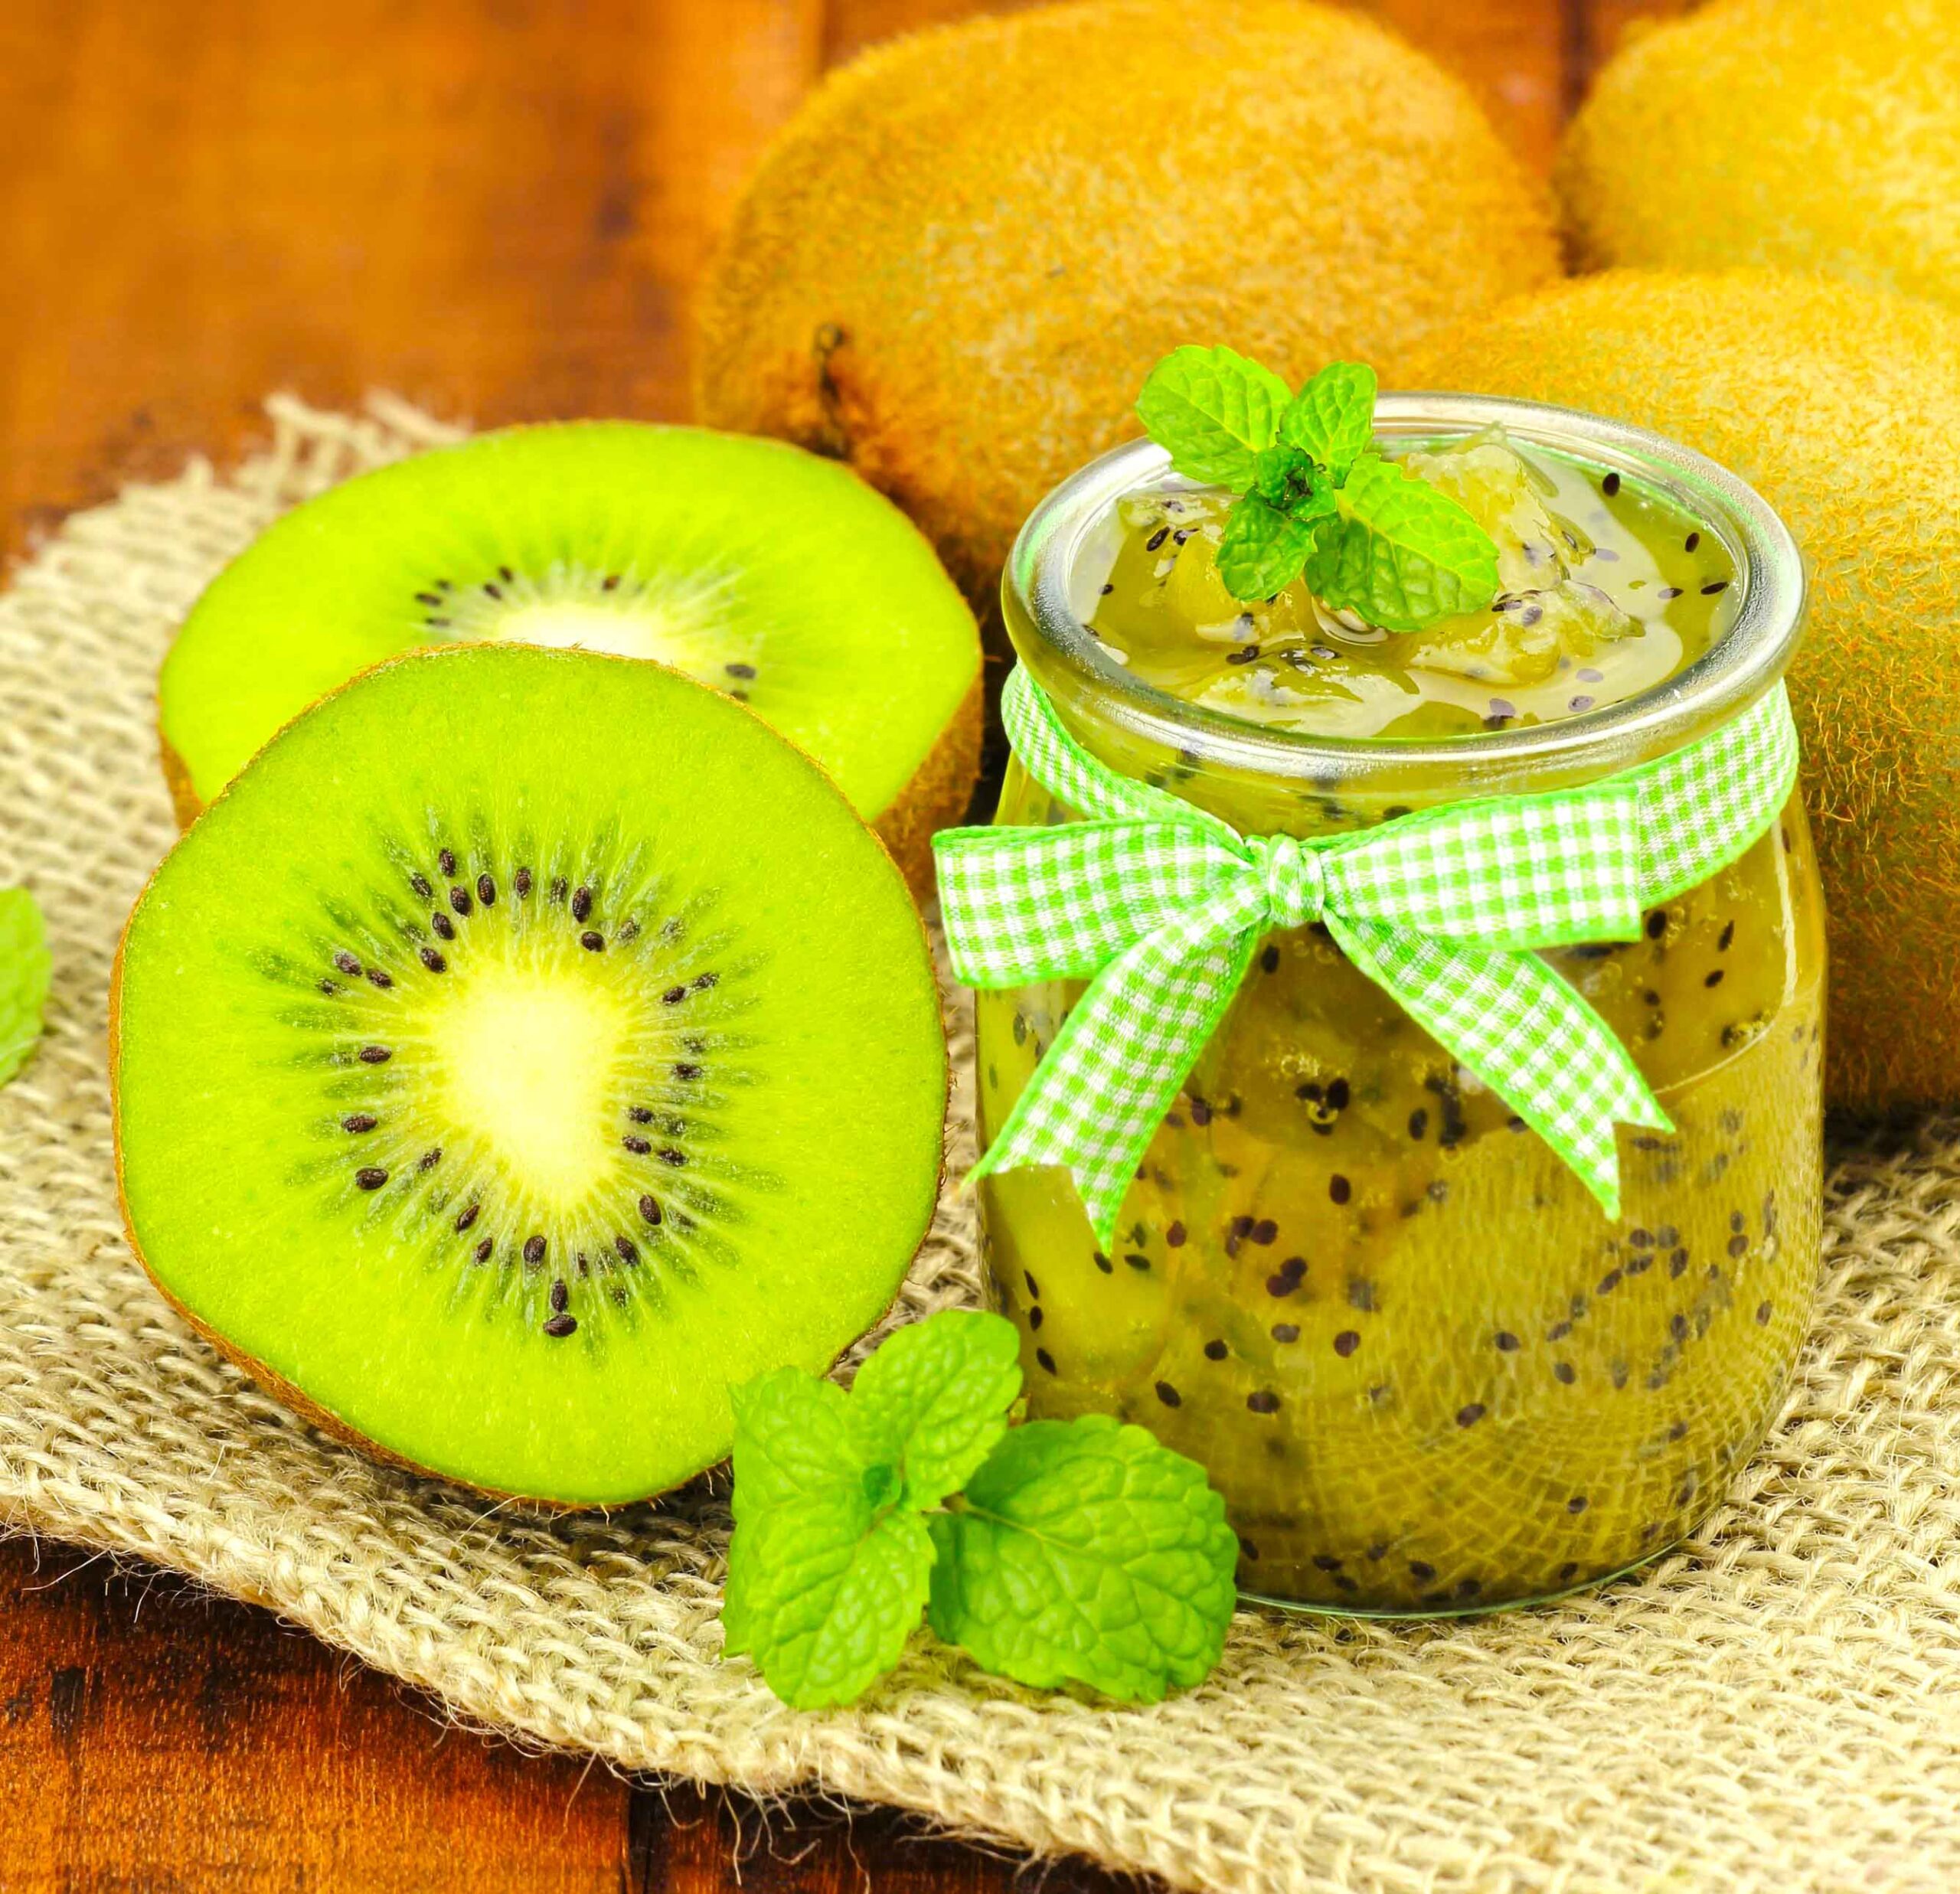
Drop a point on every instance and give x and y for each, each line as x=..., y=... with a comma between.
x=25, y=972
x=1054, y=1552
x=1318, y=499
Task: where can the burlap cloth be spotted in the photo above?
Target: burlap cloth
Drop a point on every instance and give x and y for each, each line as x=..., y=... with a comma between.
x=1777, y=1707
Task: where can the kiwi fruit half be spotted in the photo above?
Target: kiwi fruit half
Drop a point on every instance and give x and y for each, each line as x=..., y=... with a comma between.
x=960, y=259
x=777, y=578
x=1837, y=404
x=1823, y=137
x=526, y=1046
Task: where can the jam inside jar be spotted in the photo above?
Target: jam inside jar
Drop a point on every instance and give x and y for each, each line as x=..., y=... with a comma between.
x=1426, y=1372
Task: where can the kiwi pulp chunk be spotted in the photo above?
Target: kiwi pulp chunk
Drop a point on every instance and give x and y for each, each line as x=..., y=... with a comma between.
x=1606, y=588
x=776, y=577
x=528, y=1045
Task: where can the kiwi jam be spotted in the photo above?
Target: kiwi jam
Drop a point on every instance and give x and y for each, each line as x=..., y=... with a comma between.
x=1425, y=1370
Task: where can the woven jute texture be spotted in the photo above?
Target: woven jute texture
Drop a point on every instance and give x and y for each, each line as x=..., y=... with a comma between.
x=1776, y=1706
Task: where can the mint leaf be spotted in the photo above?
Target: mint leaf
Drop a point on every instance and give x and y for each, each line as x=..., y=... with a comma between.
x=1263, y=549
x=934, y=1400
x=823, y=1593
x=1332, y=418
x=1404, y=554
x=1086, y=1551
x=25, y=972
x=1214, y=410
x=793, y=1441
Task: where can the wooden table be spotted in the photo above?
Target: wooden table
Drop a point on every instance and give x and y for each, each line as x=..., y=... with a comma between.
x=496, y=208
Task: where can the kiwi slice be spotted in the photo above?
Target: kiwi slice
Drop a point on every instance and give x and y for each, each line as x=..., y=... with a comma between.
x=527, y=1045
x=777, y=577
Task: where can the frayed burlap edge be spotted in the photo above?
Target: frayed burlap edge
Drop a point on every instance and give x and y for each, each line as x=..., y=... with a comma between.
x=1776, y=1707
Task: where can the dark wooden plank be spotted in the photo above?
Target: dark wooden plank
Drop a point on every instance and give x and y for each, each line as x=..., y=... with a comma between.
x=497, y=211
x=153, y=1737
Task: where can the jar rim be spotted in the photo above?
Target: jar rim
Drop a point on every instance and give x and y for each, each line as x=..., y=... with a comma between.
x=1039, y=597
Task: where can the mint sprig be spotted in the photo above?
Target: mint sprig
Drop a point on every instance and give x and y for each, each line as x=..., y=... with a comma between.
x=1370, y=537
x=24, y=970
x=1081, y=1551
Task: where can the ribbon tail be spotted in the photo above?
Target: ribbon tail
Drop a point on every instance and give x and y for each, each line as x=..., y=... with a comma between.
x=1525, y=1032
x=1115, y=1067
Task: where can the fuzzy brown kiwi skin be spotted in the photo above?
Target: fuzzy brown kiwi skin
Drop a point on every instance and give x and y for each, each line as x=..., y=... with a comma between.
x=935, y=795
x=276, y=1384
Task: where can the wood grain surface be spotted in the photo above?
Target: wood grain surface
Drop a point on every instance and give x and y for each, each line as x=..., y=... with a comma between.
x=496, y=208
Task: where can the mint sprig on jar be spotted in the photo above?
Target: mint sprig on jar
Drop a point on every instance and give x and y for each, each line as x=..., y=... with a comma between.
x=1397, y=957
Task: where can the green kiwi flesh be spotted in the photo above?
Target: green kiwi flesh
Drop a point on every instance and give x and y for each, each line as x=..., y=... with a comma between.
x=772, y=575
x=527, y=1047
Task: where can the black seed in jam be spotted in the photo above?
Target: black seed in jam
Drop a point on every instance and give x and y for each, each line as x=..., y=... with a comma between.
x=560, y=1297
x=625, y=1248
x=375, y=1055
x=1251, y=1551
x=1726, y=939
x=1678, y=1328
x=466, y=1216
x=1215, y=1350
x=1264, y=1402
x=1657, y=924
x=429, y=1159
x=533, y=1249
x=347, y=964
x=431, y=960
x=639, y=1147
x=1035, y=1318
x=1469, y=1415
x=1033, y=1288
x=376, y=978
x=1421, y=1571
x=1507, y=1344
x=1738, y=1246
x=1168, y=1395
x=1669, y=591
x=559, y=1327
x=592, y=942
x=1609, y=1282
x=557, y=889
x=1285, y=1331
x=1419, y=1122
x=1577, y=1503
x=421, y=883
x=1270, y=960
x=1174, y=1237
x=520, y=882
x=639, y=1115
x=649, y=1211
x=1691, y=542
x=1200, y=1111
x=1567, y=1572
x=1047, y=1360
x=1103, y=1263
x=445, y=861
x=1468, y=1589
x=1713, y=587
x=1264, y=1232
x=1136, y=1260
x=1339, y=1188
x=1338, y=1095
x=1714, y=979
x=1564, y=1372
x=1346, y=1343
x=482, y=1251
x=1157, y=539
x=581, y=904
x=1677, y=1264
x=486, y=891
x=1361, y=1295
x=371, y=1176
x=446, y=928
x=1763, y=1312
x=1610, y=485
x=360, y=1122
x=668, y=1155
x=459, y=900
x=674, y=996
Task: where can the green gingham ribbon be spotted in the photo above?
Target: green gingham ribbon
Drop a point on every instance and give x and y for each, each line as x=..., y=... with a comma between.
x=1160, y=907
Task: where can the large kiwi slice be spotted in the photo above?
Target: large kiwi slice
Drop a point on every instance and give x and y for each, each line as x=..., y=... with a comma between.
x=772, y=575
x=526, y=1046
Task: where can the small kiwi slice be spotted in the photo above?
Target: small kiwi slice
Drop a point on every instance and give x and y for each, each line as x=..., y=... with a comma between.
x=527, y=1045
x=774, y=576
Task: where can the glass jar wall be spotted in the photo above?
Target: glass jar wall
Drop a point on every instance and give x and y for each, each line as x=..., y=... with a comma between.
x=1425, y=1371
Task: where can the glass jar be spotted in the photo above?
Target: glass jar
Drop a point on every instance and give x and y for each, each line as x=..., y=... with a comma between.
x=1425, y=1370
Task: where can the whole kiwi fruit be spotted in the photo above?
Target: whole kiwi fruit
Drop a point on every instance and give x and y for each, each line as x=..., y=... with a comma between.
x=1824, y=136
x=1836, y=404
x=958, y=262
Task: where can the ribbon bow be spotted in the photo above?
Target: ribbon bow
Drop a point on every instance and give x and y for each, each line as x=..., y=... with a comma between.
x=1160, y=906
